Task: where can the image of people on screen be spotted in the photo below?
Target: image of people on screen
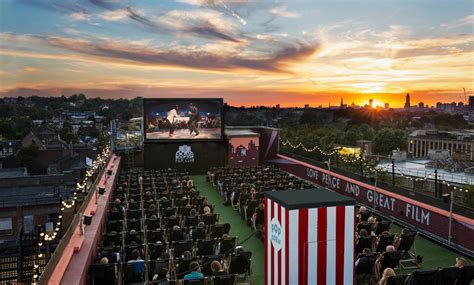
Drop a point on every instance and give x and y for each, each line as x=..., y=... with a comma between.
x=183, y=119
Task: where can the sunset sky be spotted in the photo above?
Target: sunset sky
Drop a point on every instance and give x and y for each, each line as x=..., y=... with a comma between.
x=261, y=52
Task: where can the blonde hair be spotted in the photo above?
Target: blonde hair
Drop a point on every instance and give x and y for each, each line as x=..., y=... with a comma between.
x=387, y=273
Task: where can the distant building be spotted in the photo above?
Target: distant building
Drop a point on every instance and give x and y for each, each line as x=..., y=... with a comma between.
x=452, y=107
x=421, y=105
x=420, y=142
x=306, y=106
x=407, y=101
x=471, y=108
x=342, y=106
x=387, y=106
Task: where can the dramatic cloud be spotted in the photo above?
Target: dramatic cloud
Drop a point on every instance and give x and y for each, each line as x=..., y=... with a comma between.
x=276, y=60
x=193, y=23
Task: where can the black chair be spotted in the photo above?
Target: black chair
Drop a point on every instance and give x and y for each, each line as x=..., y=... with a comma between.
x=198, y=233
x=177, y=234
x=111, y=253
x=172, y=221
x=170, y=211
x=209, y=219
x=205, y=247
x=190, y=221
x=364, y=242
x=409, y=259
x=390, y=259
x=103, y=273
x=224, y=280
x=397, y=280
x=206, y=263
x=364, y=216
x=407, y=241
x=158, y=267
x=155, y=236
x=181, y=246
x=134, y=272
x=467, y=275
x=240, y=263
x=135, y=236
x=127, y=251
x=227, y=245
x=156, y=249
x=153, y=224
x=382, y=226
x=195, y=281
x=217, y=231
x=182, y=266
x=134, y=214
x=112, y=237
x=134, y=224
x=116, y=225
x=384, y=241
x=366, y=264
x=115, y=214
x=364, y=225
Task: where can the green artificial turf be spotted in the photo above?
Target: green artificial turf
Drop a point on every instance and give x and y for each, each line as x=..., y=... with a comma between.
x=238, y=226
x=434, y=255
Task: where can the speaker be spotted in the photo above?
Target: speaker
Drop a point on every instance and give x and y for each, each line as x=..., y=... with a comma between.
x=101, y=190
x=87, y=220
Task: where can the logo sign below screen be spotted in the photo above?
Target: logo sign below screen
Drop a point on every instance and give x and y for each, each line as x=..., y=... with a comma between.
x=184, y=154
x=276, y=234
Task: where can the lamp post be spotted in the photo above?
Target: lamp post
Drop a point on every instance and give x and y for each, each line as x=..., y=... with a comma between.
x=375, y=189
x=449, y=196
x=393, y=172
x=328, y=164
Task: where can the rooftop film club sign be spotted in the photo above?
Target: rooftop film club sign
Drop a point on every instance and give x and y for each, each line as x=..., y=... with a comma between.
x=184, y=154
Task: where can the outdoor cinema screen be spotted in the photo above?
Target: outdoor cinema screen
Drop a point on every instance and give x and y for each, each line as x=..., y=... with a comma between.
x=183, y=119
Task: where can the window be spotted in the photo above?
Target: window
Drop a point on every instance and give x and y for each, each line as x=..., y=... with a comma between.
x=6, y=227
x=28, y=223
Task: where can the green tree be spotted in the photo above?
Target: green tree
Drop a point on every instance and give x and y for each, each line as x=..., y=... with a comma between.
x=388, y=139
x=66, y=133
x=27, y=157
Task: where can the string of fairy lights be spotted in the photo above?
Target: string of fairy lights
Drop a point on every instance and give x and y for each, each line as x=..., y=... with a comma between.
x=350, y=159
x=96, y=167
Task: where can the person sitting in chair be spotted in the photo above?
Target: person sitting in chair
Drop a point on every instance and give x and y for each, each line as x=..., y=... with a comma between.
x=217, y=269
x=387, y=273
x=195, y=271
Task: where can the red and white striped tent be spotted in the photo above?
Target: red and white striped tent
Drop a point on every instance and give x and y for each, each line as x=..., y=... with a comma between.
x=309, y=237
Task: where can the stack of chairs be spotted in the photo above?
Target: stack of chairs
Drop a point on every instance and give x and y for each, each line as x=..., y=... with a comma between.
x=158, y=223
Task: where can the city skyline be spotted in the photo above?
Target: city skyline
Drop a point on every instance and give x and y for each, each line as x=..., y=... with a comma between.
x=250, y=53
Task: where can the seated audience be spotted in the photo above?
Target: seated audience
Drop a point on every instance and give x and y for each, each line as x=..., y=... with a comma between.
x=195, y=271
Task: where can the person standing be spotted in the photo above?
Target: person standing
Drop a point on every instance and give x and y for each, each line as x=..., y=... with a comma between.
x=193, y=119
x=172, y=114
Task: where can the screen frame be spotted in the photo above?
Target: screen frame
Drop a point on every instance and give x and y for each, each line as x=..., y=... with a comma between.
x=197, y=100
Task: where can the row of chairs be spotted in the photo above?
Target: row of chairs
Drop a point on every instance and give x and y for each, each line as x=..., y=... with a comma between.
x=160, y=218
